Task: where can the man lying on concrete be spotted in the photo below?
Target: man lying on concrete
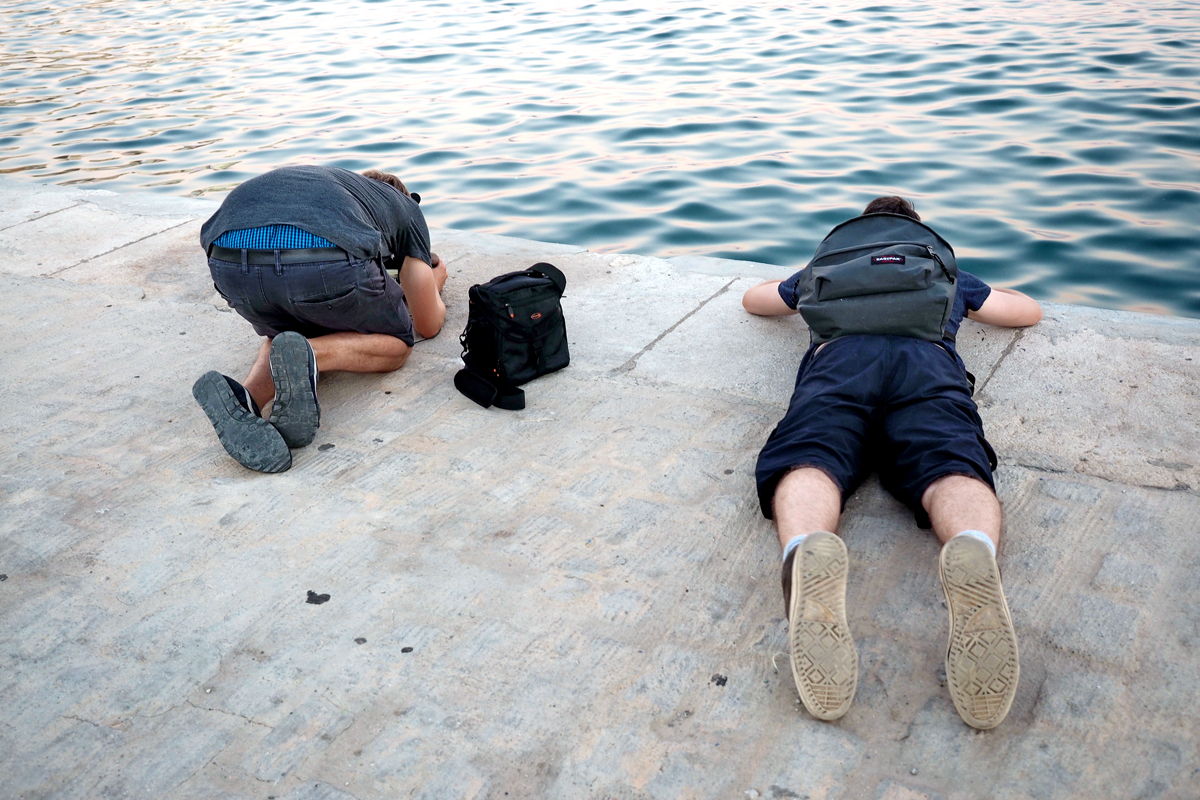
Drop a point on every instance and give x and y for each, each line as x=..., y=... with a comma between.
x=300, y=252
x=882, y=387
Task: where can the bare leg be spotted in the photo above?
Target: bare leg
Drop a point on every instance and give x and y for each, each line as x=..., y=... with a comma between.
x=259, y=382
x=982, y=665
x=823, y=656
x=806, y=500
x=343, y=351
x=367, y=352
x=359, y=352
x=957, y=503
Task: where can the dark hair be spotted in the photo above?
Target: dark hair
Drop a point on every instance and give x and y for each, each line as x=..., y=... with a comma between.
x=388, y=178
x=892, y=205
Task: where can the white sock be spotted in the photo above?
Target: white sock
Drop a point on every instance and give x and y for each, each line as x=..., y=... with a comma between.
x=983, y=537
x=792, y=544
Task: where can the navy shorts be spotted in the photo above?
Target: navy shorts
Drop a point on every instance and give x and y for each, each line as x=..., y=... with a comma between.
x=894, y=404
x=316, y=298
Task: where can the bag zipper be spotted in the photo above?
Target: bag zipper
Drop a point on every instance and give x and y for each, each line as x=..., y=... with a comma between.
x=867, y=247
x=876, y=245
x=938, y=259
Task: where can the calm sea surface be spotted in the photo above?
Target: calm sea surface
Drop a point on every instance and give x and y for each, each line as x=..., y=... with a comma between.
x=1055, y=144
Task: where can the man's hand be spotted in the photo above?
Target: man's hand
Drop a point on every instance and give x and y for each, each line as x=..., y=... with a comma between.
x=439, y=271
x=764, y=300
x=1007, y=308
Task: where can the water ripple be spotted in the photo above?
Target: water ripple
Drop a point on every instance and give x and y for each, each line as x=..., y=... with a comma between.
x=1058, y=151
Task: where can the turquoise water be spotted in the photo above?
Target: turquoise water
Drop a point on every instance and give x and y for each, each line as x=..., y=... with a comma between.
x=1055, y=144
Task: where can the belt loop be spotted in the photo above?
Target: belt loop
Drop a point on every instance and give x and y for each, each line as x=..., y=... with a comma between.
x=278, y=265
x=245, y=263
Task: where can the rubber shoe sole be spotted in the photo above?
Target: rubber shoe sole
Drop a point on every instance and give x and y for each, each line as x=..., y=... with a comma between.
x=251, y=440
x=295, y=412
x=824, y=659
x=982, y=668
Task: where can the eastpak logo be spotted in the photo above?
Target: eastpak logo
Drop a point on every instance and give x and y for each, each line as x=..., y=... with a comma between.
x=887, y=259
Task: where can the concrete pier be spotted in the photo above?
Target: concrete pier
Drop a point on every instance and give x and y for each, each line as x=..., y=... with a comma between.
x=579, y=600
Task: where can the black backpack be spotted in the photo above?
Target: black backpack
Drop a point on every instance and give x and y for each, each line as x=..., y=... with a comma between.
x=882, y=274
x=515, y=332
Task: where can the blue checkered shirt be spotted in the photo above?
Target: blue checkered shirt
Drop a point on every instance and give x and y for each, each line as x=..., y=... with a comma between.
x=271, y=237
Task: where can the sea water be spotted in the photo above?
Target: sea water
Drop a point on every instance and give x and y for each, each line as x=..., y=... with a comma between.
x=1055, y=144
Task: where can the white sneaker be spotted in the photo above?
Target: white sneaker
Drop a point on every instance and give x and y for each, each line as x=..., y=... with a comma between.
x=824, y=659
x=981, y=659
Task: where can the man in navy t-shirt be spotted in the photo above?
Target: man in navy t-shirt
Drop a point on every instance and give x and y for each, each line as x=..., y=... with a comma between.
x=900, y=406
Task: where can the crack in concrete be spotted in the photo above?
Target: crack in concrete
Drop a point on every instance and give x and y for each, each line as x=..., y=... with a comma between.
x=1033, y=467
x=206, y=764
x=81, y=719
x=329, y=700
x=203, y=766
x=41, y=216
x=1020, y=334
x=629, y=365
x=230, y=714
x=1178, y=487
x=115, y=249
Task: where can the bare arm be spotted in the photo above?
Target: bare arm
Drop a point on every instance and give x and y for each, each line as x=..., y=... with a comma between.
x=424, y=295
x=764, y=300
x=1007, y=308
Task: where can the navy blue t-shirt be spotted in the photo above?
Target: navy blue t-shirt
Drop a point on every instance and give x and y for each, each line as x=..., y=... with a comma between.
x=969, y=295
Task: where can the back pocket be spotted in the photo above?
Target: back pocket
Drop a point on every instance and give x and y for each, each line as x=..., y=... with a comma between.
x=320, y=281
x=342, y=312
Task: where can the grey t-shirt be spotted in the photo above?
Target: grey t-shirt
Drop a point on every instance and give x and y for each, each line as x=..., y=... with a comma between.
x=364, y=217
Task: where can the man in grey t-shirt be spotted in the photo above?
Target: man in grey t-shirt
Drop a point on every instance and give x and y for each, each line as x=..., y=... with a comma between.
x=302, y=254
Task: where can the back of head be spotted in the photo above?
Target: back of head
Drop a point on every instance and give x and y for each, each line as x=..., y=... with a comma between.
x=892, y=205
x=388, y=178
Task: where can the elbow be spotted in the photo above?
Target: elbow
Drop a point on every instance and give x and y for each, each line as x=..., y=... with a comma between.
x=429, y=323
x=1033, y=315
x=757, y=304
x=428, y=331
x=764, y=300
x=752, y=298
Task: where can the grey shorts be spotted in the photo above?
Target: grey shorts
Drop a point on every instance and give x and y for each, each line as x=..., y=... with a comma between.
x=315, y=298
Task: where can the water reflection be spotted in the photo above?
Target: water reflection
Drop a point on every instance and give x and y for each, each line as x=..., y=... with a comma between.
x=1056, y=146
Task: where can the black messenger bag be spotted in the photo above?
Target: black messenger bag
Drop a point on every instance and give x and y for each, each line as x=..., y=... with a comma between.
x=515, y=332
x=880, y=274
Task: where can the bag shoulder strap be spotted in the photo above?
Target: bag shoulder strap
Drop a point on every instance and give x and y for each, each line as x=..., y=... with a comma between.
x=553, y=273
x=487, y=394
